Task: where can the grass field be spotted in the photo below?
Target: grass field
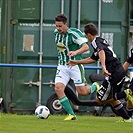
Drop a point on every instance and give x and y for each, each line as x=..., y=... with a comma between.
x=13, y=123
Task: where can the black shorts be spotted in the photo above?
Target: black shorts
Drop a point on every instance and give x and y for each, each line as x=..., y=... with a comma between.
x=114, y=84
x=108, y=92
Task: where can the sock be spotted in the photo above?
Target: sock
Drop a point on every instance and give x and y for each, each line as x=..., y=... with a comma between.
x=66, y=105
x=121, y=111
x=93, y=88
x=130, y=111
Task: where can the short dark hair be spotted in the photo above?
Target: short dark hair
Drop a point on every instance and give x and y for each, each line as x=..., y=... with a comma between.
x=90, y=28
x=61, y=18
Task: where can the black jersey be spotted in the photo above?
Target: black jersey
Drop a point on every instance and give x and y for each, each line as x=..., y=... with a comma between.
x=99, y=44
x=113, y=65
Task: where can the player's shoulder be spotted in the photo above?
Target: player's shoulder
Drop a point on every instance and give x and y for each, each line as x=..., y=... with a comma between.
x=100, y=39
x=73, y=30
x=55, y=31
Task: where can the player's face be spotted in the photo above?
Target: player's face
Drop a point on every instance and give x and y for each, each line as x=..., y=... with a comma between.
x=61, y=27
x=89, y=37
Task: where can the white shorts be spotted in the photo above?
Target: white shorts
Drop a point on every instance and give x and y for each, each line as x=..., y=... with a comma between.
x=65, y=73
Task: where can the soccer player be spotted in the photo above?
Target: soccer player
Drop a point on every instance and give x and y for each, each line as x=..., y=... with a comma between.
x=128, y=63
x=110, y=90
x=71, y=43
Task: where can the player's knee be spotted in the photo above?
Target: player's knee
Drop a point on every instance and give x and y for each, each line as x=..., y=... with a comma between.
x=56, y=88
x=59, y=88
x=98, y=101
x=59, y=91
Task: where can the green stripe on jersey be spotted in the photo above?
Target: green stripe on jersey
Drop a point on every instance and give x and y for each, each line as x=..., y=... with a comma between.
x=71, y=41
x=82, y=72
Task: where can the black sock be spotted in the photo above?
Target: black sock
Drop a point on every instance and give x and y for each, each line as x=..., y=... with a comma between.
x=121, y=111
x=130, y=111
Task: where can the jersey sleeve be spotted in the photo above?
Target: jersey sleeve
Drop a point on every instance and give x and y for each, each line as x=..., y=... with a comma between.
x=97, y=44
x=80, y=40
x=95, y=56
x=78, y=37
x=99, y=47
x=55, y=31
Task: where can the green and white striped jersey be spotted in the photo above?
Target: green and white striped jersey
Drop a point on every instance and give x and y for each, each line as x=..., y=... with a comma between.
x=71, y=41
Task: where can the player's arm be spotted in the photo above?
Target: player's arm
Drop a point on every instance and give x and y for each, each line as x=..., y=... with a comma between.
x=83, y=61
x=83, y=49
x=102, y=58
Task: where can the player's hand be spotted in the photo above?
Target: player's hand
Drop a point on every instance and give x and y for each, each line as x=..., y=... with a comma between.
x=72, y=53
x=105, y=72
x=72, y=62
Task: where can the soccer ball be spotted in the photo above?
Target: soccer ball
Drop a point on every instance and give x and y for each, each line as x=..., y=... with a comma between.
x=42, y=112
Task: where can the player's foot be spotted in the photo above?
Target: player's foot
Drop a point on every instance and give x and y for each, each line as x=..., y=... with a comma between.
x=97, y=85
x=70, y=117
x=125, y=120
x=129, y=95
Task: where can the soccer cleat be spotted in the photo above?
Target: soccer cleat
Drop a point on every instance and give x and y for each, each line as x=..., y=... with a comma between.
x=125, y=120
x=70, y=117
x=128, y=92
x=97, y=85
x=129, y=95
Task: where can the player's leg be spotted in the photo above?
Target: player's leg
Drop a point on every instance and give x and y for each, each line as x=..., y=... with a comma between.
x=105, y=96
x=127, y=94
x=117, y=108
x=61, y=80
x=118, y=94
x=78, y=76
x=117, y=80
x=130, y=109
x=120, y=110
x=129, y=104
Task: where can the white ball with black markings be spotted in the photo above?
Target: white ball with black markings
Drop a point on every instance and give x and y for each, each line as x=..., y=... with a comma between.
x=42, y=112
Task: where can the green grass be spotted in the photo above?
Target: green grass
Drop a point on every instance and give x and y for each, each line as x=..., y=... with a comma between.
x=13, y=123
